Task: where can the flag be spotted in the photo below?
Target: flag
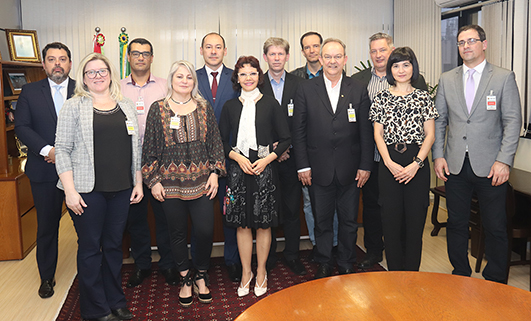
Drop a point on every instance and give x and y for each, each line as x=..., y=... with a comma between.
x=125, y=69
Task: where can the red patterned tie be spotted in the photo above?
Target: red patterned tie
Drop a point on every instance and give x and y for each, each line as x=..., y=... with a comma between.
x=214, y=84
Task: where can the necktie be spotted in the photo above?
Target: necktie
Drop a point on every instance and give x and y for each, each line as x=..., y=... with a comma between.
x=214, y=84
x=58, y=99
x=470, y=90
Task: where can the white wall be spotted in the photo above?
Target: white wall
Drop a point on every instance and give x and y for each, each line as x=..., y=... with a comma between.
x=9, y=18
x=176, y=27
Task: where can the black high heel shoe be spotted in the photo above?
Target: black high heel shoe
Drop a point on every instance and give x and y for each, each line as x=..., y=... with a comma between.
x=203, y=298
x=186, y=281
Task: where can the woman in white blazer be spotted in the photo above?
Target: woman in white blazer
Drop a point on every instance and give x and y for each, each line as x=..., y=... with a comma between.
x=98, y=162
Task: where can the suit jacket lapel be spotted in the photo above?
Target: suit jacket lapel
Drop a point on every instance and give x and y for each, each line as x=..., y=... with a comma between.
x=224, y=85
x=47, y=94
x=323, y=94
x=266, y=87
x=483, y=83
x=460, y=89
x=204, y=85
x=342, y=102
x=288, y=88
x=71, y=87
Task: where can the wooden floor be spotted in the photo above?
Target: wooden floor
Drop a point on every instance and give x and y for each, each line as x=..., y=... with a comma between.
x=19, y=280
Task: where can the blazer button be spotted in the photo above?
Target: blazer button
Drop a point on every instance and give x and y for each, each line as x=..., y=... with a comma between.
x=464, y=137
x=468, y=121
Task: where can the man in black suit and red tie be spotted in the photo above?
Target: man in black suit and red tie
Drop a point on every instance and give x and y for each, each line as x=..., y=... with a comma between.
x=333, y=146
x=35, y=121
x=280, y=84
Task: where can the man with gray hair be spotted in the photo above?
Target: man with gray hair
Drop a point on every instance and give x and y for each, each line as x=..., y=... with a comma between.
x=333, y=145
x=380, y=48
x=283, y=86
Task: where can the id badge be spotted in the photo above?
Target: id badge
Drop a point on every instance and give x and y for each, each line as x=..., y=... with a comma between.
x=140, y=110
x=130, y=127
x=491, y=102
x=175, y=122
x=290, y=108
x=351, y=114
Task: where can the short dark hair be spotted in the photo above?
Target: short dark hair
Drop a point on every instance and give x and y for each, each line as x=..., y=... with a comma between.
x=246, y=60
x=398, y=55
x=140, y=41
x=481, y=32
x=311, y=33
x=56, y=45
x=213, y=33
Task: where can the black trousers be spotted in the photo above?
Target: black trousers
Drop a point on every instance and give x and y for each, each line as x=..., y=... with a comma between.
x=138, y=228
x=404, y=210
x=290, y=194
x=99, y=256
x=459, y=190
x=48, y=201
x=372, y=217
x=201, y=212
x=325, y=201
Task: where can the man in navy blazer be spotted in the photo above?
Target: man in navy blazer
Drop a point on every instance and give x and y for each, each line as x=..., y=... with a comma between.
x=333, y=146
x=283, y=86
x=35, y=121
x=216, y=87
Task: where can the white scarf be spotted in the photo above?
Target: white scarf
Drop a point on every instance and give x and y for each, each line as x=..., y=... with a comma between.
x=247, y=129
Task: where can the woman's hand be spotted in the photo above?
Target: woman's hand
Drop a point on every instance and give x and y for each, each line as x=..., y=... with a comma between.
x=74, y=202
x=393, y=167
x=407, y=173
x=244, y=163
x=137, y=194
x=158, y=192
x=212, y=185
x=259, y=166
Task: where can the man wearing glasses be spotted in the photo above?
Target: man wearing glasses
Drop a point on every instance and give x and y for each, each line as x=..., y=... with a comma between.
x=143, y=89
x=334, y=149
x=480, y=105
x=35, y=122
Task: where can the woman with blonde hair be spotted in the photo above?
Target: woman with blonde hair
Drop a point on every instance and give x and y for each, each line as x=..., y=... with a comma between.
x=98, y=162
x=182, y=158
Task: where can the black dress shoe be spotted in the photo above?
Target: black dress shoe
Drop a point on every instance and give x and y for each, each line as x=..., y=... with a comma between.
x=346, y=271
x=323, y=271
x=172, y=276
x=296, y=266
x=123, y=314
x=235, y=272
x=138, y=277
x=46, y=288
x=370, y=260
x=109, y=317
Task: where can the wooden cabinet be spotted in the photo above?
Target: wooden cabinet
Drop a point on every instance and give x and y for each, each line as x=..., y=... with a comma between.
x=18, y=217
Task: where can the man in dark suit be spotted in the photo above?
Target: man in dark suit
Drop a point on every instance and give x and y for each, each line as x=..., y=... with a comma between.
x=216, y=87
x=283, y=86
x=333, y=145
x=35, y=121
x=380, y=48
x=476, y=137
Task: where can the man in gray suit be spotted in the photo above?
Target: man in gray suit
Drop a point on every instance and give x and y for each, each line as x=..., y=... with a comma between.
x=480, y=105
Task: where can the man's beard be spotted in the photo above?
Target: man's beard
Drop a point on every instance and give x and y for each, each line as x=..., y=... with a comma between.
x=57, y=77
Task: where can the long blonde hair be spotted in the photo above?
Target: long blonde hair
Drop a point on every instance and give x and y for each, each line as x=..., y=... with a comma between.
x=196, y=96
x=82, y=90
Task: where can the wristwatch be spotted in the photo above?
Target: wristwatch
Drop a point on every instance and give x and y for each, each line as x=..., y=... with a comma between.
x=418, y=161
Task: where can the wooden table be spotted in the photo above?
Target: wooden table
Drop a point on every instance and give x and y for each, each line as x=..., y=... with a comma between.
x=394, y=296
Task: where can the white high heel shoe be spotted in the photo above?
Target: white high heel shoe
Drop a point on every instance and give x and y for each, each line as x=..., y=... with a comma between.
x=260, y=289
x=244, y=290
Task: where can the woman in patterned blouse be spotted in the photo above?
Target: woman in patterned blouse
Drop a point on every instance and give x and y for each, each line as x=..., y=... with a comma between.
x=182, y=158
x=404, y=131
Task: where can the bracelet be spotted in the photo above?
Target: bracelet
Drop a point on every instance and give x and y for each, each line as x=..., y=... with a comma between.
x=215, y=171
x=419, y=161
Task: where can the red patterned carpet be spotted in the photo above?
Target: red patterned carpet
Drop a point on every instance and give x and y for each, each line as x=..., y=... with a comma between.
x=157, y=301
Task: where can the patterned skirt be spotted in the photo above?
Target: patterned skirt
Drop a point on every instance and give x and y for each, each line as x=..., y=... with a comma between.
x=252, y=200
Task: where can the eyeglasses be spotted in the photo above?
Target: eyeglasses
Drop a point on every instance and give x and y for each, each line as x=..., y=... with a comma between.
x=470, y=42
x=251, y=74
x=91, y=74
x=52, y=60
x=336, y=57
x=136, y=54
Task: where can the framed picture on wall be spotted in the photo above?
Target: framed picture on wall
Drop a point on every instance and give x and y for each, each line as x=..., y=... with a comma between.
x=23, y=45
x=16, y=79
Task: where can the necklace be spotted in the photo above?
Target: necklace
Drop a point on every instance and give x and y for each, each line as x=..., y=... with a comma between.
x=180, y=102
